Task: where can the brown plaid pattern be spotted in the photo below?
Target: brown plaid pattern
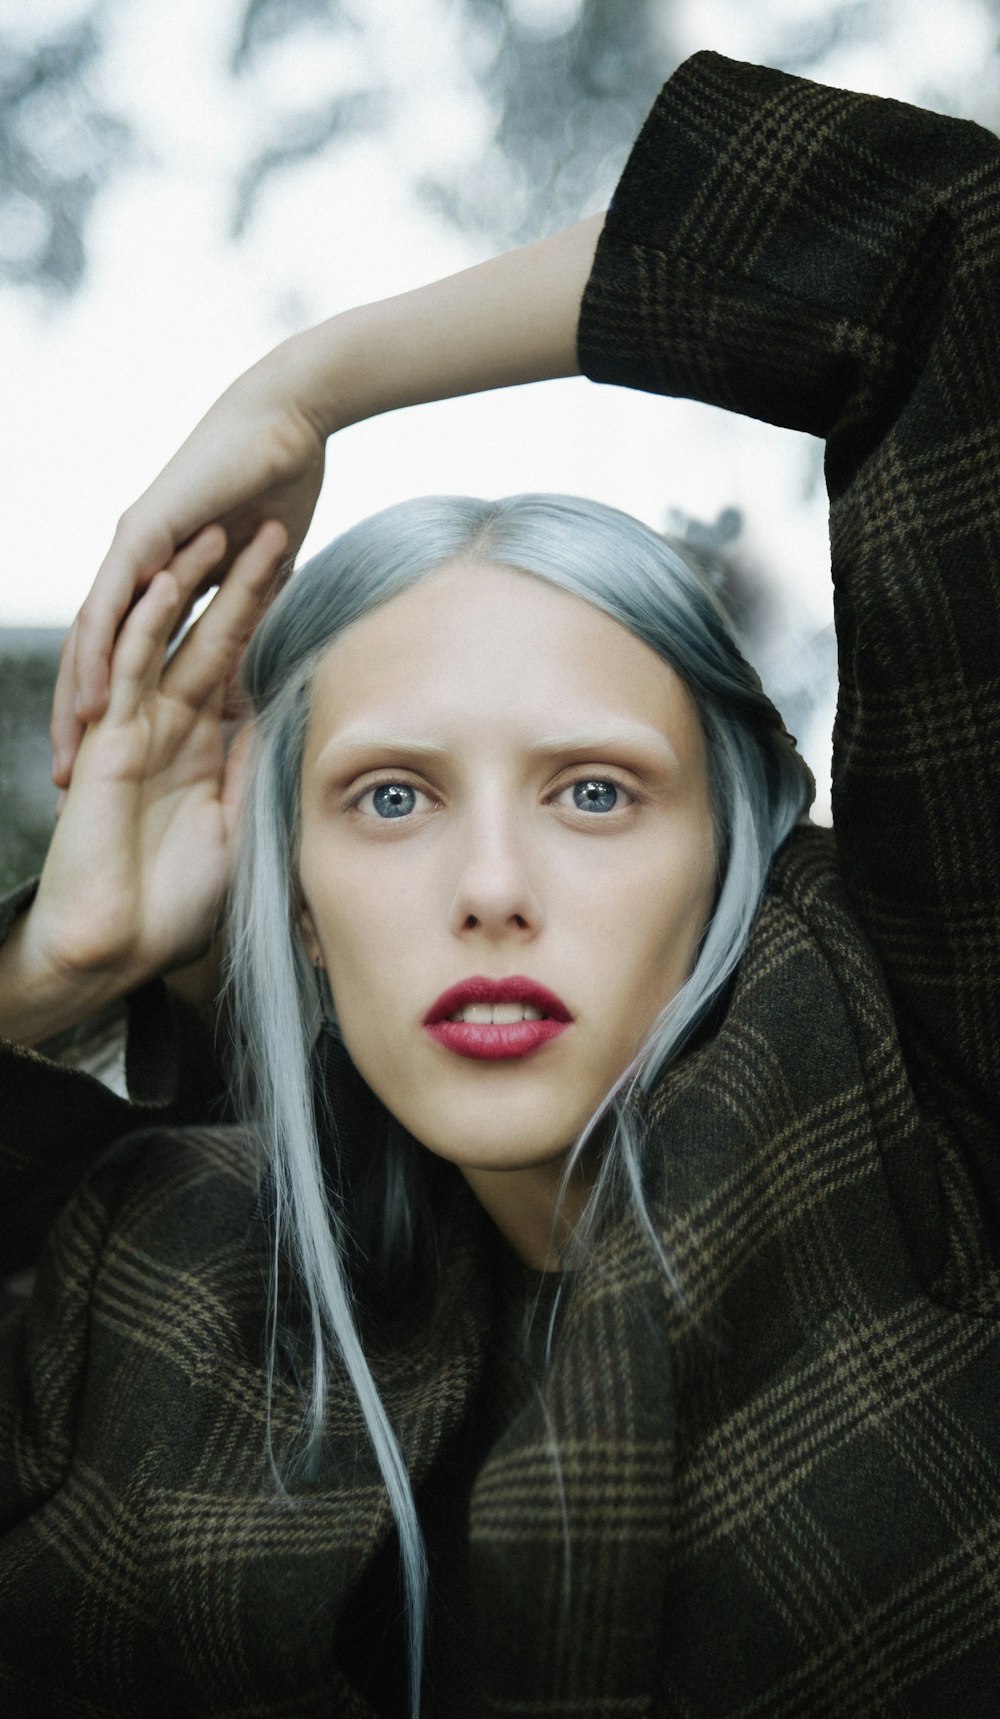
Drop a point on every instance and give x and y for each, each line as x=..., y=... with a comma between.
x=776, y=1492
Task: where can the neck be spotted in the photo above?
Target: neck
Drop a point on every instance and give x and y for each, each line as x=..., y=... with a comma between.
x=527, y=1210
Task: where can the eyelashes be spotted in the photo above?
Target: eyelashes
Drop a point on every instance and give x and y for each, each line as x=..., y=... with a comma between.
x=596, y=795
x=391, y=800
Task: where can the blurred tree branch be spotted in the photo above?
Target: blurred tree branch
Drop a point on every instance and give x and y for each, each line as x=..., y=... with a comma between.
x=265, y=22
x=58, y=148
x=566, y=84
x=304, y=136
x=567, y=105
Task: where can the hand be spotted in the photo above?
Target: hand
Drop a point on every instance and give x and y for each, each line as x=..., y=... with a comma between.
x=257, y=455
x=140, y=861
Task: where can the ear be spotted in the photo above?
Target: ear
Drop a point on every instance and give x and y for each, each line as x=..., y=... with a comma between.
x=310, y=940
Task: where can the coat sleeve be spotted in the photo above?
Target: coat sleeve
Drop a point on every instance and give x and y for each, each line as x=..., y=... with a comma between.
x=829, y=262
x=55, y=1120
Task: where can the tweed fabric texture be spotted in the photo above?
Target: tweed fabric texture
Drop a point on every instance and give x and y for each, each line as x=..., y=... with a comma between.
x=773, y=1490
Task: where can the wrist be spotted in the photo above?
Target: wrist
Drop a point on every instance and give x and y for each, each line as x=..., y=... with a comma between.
x=42, y=995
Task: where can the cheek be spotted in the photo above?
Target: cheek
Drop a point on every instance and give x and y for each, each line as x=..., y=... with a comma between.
x=373, y=935
x=361, y=956
x=337, y=911
x=659, y=937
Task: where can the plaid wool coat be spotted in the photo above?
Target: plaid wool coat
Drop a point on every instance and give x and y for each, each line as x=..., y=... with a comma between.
x=781, y=1482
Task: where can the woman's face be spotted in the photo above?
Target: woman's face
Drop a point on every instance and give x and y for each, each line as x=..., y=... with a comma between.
x=503, y=791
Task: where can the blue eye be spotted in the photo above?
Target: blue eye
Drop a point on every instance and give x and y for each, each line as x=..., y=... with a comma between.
x=593, y=795
x=393, y=800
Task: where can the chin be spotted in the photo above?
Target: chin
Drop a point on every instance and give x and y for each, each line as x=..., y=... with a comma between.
x=482, y=1148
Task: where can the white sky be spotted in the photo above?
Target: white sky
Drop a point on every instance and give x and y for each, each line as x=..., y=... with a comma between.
x=98, y=392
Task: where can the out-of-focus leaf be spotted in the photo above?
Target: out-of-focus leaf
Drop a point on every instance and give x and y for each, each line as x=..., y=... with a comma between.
x=811, y=40
x=568, y=105
x=58, y=148
x=267, y=21
x=304, y=137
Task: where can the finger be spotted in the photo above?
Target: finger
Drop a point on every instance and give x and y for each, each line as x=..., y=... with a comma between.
x=116, y=591
x=141, y=647
x=197, y=586
x=195, y=563
x=202, y=664
x=197, y=566
x=205, y=667
x=235, y=704
x=65, y=728
x=126, y=571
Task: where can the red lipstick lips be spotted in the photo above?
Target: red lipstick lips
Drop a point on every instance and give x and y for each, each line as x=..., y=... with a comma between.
x=492, y=1041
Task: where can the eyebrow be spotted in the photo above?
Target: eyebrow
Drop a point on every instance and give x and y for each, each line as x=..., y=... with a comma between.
x=574, y=742
x=600, y=740
x=376, y=740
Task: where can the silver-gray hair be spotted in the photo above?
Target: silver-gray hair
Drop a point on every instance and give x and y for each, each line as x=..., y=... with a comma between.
x=759, y=787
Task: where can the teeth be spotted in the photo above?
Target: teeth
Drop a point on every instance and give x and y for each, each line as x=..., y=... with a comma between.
x=496, y=1014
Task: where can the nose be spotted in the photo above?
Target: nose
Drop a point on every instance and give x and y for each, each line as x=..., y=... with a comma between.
x=495, y=895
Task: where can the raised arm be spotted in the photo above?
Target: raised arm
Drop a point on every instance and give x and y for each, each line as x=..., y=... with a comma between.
x=119, y=900
x=132, y=888
x=830, y=261
x=815, y=258
x=258, y=453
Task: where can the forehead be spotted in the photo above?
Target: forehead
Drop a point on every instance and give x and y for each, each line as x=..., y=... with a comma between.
x=475, y=646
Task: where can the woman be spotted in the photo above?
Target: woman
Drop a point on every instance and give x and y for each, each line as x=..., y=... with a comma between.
x=764, y=1479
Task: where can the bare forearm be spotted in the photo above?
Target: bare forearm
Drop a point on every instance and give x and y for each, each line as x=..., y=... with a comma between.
x=510, y=320
x=258, y=453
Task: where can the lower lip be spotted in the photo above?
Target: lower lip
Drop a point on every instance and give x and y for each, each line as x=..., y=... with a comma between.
x=493, y=1043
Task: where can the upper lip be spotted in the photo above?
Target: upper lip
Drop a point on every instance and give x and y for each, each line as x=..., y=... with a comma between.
x=482, y=990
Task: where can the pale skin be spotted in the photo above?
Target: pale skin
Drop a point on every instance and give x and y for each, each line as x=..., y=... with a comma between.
x=136, y=875
x=258, y=454
x=557, y=826
x=119, y=901
x=254, y=465
x=487, y=703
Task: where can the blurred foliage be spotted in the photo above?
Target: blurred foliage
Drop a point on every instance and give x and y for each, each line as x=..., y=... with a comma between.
x=566, y=82
x=265, y=22
x=812, y=39
x=567, y=106
x=58, y=147
x=304, y=136
x=26, y=792
x=307, y=133
x=566, y=102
